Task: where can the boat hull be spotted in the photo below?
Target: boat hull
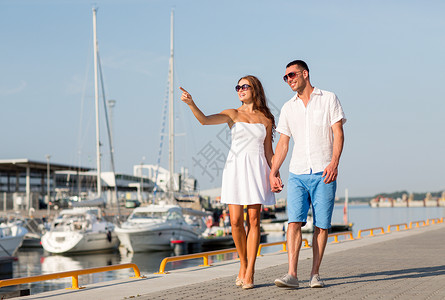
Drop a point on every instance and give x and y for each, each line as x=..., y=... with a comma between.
x=10, y=244
x=73, y=242
x=153, y=239
x=11, y=238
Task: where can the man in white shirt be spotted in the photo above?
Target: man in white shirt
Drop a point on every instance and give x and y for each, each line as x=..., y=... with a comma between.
x=314, y=118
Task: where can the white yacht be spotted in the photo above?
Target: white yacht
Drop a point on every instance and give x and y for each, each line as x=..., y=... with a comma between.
x=34, y=227
x=80, y=229
x=153, y=227
x=11, y=238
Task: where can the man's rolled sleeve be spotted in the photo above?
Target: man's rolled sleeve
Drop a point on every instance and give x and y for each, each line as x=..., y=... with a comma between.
x=336, y=111
x=283, y=124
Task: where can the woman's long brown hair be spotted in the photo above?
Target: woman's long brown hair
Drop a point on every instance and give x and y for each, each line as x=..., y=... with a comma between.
x=259, y=99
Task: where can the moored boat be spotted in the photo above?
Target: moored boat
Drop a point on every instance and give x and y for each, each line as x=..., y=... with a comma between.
x=11, y=238
x=80, y=229
x=153, y=227
x=34, y=228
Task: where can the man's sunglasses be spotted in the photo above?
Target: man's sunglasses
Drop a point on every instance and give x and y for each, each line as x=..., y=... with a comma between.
x=243, y=87
x=291, y=75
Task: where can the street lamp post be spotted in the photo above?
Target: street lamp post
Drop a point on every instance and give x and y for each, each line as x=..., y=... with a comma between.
x=48, y=191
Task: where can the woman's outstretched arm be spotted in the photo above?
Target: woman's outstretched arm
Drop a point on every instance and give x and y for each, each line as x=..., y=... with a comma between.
x=225, y=116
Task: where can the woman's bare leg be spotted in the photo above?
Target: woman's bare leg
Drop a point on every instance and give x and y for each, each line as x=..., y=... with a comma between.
x=253, y=240
x=239, y=236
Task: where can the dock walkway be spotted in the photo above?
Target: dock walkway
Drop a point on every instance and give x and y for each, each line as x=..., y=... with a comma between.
x=408, y=264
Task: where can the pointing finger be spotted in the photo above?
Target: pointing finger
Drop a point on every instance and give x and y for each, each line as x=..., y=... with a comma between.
x=182, y=89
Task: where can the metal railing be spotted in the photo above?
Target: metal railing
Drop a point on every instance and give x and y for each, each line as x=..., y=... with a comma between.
x=203, y=255
x=417, y=224
x=336, y=235
x=371, y=231
x=74, y=274
x=284, y=243
x=434, y=221
x=397, y=227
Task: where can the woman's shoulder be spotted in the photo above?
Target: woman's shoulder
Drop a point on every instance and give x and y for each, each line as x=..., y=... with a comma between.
x=268, y=123
x=230, y=112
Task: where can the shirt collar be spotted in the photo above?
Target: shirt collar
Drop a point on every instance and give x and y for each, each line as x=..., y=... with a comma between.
x=316, y=91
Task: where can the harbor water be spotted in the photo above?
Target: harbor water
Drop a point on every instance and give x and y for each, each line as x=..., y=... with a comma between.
x=36, y=261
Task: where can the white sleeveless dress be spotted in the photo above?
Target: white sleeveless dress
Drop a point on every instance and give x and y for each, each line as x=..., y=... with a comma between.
x=246, y=173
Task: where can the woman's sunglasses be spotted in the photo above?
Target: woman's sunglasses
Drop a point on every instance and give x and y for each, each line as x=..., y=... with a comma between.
x=243, y=87
x=291, y=75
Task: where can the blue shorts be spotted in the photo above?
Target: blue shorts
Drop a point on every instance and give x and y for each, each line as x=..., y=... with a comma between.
x=306, y=189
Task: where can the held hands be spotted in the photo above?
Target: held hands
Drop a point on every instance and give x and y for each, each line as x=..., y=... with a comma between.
x=276, y=185
x=186, y=97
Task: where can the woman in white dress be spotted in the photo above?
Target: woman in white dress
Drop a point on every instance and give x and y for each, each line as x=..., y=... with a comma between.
x=246, y=173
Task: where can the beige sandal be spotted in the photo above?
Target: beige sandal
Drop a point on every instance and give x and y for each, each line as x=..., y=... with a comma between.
x=248, y=286
x=238, y=281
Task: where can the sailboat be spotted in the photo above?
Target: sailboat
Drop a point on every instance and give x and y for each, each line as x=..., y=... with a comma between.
x=155, y=226
x=83, y=228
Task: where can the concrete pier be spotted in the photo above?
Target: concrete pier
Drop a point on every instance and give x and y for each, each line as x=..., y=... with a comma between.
x=408, y=264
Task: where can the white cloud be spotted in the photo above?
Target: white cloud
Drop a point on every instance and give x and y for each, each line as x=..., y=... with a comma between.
x=7, y=91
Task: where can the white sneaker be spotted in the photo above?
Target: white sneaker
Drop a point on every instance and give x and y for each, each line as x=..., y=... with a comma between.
x=316, y=282
x=287, y=281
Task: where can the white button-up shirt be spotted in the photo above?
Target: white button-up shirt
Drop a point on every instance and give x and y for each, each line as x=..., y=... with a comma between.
x=311, y=130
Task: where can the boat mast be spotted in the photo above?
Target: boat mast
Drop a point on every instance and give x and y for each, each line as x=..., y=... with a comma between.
x=171, y=129
x=96, y=99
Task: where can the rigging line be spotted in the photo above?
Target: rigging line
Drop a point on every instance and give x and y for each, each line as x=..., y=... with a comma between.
x=187, y=125
x=110, y=144
x=161, y=142
x=79, y=137
x=82, y=104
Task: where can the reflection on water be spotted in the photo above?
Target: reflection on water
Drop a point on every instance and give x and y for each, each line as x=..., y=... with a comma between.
x=35, y=261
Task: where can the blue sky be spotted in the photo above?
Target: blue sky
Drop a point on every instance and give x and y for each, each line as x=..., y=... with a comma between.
x=383, y=59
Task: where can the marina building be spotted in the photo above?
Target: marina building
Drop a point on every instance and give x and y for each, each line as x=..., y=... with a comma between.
x=28, y=184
